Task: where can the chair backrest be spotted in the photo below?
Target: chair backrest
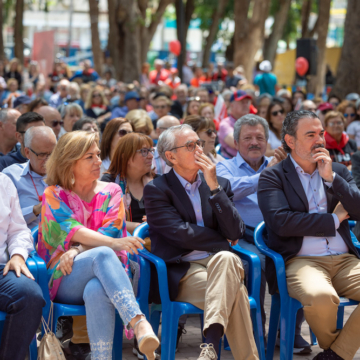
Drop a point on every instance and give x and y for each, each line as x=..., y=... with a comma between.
x=35, y=234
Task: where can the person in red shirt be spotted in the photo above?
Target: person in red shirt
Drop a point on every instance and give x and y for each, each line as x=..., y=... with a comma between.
x=173, y=80
x=221, y=73
x=199, y=77
x=159, y=75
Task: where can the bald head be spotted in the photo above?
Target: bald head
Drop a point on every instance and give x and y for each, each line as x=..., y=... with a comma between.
x=52, y=118
x=166, y=122
x=308, y=105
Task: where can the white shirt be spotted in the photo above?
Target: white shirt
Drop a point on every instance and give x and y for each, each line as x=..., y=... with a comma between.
x=273, y=140
x=354, y=129
x=14, y=233
x=316, y=196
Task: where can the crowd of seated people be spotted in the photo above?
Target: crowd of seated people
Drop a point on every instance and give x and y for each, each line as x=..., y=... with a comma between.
x=87, y=159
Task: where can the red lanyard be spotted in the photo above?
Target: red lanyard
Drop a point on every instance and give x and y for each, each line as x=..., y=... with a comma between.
x=39, y=196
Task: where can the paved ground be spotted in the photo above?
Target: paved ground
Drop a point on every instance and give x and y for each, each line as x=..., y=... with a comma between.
x=189, y=345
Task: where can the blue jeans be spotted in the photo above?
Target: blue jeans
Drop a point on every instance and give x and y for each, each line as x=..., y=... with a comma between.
x=99, y=279
x=22, y=299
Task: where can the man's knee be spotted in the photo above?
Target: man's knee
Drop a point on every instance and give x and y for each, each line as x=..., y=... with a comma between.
x=321, y=302
x=227, y=261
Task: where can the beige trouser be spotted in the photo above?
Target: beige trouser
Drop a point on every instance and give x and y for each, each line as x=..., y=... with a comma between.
x=80, y=335
x=317, y=282
x=215, y=284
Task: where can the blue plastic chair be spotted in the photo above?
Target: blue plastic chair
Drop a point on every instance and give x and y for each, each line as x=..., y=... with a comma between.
x=283, y=307
x=78, y=310
x=172, y=310
x=218, y=148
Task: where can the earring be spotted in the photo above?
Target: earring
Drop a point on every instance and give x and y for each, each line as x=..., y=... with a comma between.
x=72, y=179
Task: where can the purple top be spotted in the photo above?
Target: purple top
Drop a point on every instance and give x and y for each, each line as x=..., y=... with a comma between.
x=227, y=128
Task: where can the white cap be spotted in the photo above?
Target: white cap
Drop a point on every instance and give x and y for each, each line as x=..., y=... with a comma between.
x=265, y=66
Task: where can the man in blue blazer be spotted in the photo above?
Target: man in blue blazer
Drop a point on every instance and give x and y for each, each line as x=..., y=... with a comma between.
x=306, y=201
x=192, y=220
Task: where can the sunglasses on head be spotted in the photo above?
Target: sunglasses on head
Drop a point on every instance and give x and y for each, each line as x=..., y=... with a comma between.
x=55, y=123
x=274, y=113
x=145, y=151
x=191, y=145
x=124, y=132
x=210, y=131
x=351, y=115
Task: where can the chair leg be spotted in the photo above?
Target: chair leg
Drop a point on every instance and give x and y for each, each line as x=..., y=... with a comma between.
x=273, y=326
x=340, y=318
x=118, y=338
x=202, y=327
x=312, y=337
x=33, y=349
x=168, y=334
x=258, y=331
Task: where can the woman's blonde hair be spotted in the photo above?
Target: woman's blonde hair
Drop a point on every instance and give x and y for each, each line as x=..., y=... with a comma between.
x=70, y=148
x=89, y=101
x=139, y=119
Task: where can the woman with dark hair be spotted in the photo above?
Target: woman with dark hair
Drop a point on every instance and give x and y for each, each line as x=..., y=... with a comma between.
x=96, y=105
x=275, y=117
x=114, y=131
x=193, y=106
x=37, y=104
x=205, y=128
x=348, y=109
x=88, y=124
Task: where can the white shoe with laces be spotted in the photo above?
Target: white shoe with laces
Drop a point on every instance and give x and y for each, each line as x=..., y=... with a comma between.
x=208, y=352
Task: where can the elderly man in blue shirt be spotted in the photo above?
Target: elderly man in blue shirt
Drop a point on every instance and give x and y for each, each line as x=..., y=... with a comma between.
x=251, y=134
x=28, y=177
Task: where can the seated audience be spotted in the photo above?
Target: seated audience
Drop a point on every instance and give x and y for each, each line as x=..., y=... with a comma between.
x=21, y=297
x=23, y=123
x=340, y=147
x=28, y=177
x=198, y=78
x=14, y=71
x=161, y=105
x=286, y=96
x=239, y=106
x=207, y=110
x=348, y=109
x=62, y=94
x=114, y=131
x=21, y=104
x=206, y=131
x=131, y=103
x=8, y=140
x=166, y=122
x=140, y=121
x=87, y=123
x=353, y=130
x=52, y=118
x=70, y=114
x=203, y=94
x=193, y=106
x=131, y=169
x=192, y=221
x=251, y=134
x=83, y=264
x=11, y=93
x=96, y=105
x=232, y=79
x=321, y=261
x=84, y=91
x=275, y=117
x=181, y=93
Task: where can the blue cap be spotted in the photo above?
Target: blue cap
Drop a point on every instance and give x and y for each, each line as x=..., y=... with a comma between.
x=131, y=95
x=22, y=99
x=239, y=95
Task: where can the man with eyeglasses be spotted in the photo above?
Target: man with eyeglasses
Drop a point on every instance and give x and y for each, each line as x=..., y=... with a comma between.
x=163, y=124
x=29, y=177
x=52, y=118
x=8, y=118
x=23, y=123
x=192, y=220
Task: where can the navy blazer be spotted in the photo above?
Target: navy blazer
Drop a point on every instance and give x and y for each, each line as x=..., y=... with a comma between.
x=172, y=224
x=285, y=208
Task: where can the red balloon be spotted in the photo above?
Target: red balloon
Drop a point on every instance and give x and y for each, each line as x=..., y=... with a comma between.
x=175, y=47
x=301, y=65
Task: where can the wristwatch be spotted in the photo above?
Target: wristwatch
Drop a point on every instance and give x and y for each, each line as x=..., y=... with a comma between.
x=217, y=190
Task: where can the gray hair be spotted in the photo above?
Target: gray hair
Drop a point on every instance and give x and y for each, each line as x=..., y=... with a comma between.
x=252, y=120
x=4, y=115
x=65, y=109
x=37, y=131
x=290, y=125
x=167, y=140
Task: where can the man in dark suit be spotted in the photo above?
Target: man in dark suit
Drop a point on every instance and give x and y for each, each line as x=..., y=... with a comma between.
x=192, y=221
x=306, y=201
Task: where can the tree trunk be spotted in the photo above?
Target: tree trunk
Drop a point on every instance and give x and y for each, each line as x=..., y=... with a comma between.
x=271, y=43
x=148, y=32
x=18, y=31
x=95, y=39
x=2, y=53
x=247, y=46
x=129, y=35
x=317, y=82
x=113, y=39
x=348, y=74
x=305, y=14
x=217, y=15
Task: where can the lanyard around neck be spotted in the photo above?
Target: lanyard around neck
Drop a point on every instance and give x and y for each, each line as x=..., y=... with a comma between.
x=39, y=196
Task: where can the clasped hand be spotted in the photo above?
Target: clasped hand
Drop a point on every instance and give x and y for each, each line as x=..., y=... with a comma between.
x=207, y=167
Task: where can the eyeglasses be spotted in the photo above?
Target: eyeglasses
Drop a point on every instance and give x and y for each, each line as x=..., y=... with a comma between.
x=55, y=123
x=21, y=132
x=191, y=145
x=275, y=113
x=351, y=115
x=335, y=123
x=209, y=132
x=145, y=151
x=124, y=132
x=334, y=104
x=96, y=95
x=194, y=98
x=41, y=156
x=163, y=107
x=163, y=128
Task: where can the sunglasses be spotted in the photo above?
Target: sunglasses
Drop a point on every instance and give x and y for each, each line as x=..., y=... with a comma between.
x=191, y=145
x=145, y=151
x=275, y=113
x=210, y=131
x=41, y=156
x=351, y=115
x=96, y=95
x=55, y=123
x=160, y=107
x=124, y=132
